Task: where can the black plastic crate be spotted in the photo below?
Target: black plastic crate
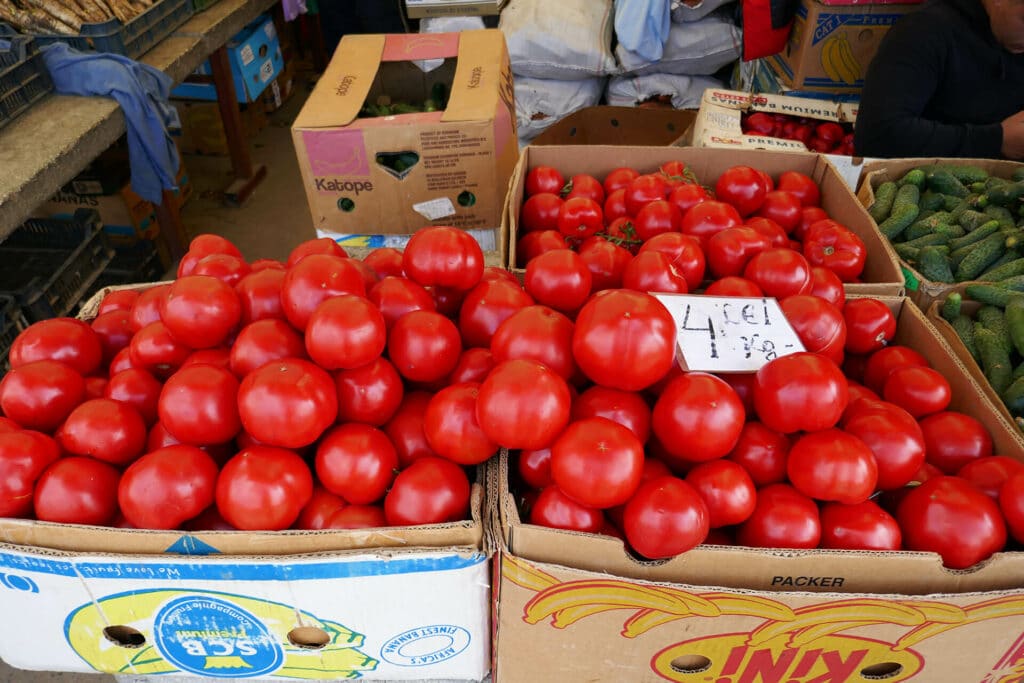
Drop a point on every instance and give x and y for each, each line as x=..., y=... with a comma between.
x=135, y=264
x=200, y=5
x=24, y=78
x=49, y=264
x=12, y=322
x=133, y=39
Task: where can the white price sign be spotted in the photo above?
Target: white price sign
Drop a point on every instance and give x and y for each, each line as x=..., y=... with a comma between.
x=729, y=334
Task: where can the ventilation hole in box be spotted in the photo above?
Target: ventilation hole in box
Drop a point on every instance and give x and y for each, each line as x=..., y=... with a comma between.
x=308, y=637
x=124, y=636
x=346, y=204
x=397, y=164
x=263, y=50
x=671, y=127
x=615, y=123
x=880, y=672
x=466, y=198
x=572, y=132
x=690, y=664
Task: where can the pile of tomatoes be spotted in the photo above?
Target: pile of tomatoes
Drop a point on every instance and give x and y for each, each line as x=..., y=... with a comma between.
x=827, y=137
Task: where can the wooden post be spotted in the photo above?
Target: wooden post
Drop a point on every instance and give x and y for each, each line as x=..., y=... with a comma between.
x=247, y=177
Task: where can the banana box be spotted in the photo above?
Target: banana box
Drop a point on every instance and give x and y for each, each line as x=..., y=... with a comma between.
x=831, y=46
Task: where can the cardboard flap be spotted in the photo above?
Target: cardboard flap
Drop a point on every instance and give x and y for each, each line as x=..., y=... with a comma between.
x=341, y=91
x=482, y=58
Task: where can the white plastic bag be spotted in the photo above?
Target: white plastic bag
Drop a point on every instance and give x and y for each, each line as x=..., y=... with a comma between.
x=683, y=12
x=699, y=48
x=540, y=102
x=562, y=40
x=641, y=26
x=684, y=91
x=445, y=25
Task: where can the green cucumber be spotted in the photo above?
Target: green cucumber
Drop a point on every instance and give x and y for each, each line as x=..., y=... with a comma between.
x=964, y=328
x=1004, y=195
x=915, y=176
x=933, y=264
x=970, y=220
x=1013, y=395
x=992, y=318
x=1018, y=175
x=1004, y=271
x=946, y=183
x=932, y=201
x=995, y=361
x=975, y=236
x=990, y=294
x=1001, y=214
x=1014, y=321
x=965, y=173
x=951, y=306
x=904, y=212
x=982, y=255
x=885, y=194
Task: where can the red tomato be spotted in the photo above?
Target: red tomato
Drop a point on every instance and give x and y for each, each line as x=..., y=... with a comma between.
x=615, y=207
x=698, y=417
x=683, y=252
x=708, y=217
x=818, y=324
x=606, y=262
x=833, y=246
x=832, y=465
x=385, y=261
x=954, y=439
x=157, y=350
x=264, y=488
x=782, y=207
x=405, y=428
x=370, y=393
x=204, y=245
x=1011, y=503
x=597, y=462
x=451, y=427
x=729, y=251
x=653, y=271
x=559, y=279
x=884, y=362
x=24, y=455
x=358, y=517
x=370, y=278
x=77, y=490
x=685, y=197
x=800, y=186
x=828, y=286
x=114, y=331
x=67, y=340
x=318, y=511
x=948, y=516
x=762, y=453
x=315, y=279
x=896, y=442
x=396, y=296
x=147, y=307
x=580, y=217
x=118, y=300
x=782, y=518
x=39, y=395
x=220, y=357
x=488, y=305
x=919, y=390
x=227, y=268
x=424, y=346
x=800, y=392
x=429, y=491
x=544, y=179
x=727, y=490
x=357, y=462
x=536, y=333
x=770, y=229
x=619, y=179
x=733, y=286
x=540, y=212
x=626, y=408
x=862, y=526
x=655, y=218
x=474, y=365
x=198, y=405
x=262, y=342
x=523, y=404
x=779, y=273
x=664, y=518
x=95, y=387
x=259, y=295
x=287, y=403
x=535, y=467
x=676, y=173
x=323, y=245
x=743, y=187
x=255, y=267
x=345, y=332
x=988, y=475
x=533, y=244
x=583, y=185
x=556, y=510
x=624, y=340
x=105, y=429
x=644, y=189
x=166, y=487
x=809, y=215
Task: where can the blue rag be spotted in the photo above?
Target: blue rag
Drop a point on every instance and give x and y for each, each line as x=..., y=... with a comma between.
x=142, y=92
x=642, y=26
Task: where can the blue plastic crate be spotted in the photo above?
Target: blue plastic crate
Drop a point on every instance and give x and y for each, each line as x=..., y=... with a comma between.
x=23, y=78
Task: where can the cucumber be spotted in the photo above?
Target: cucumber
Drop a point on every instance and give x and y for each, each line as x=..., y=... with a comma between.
x=950, y=231
x=964, y=328
x=982, y=255
x=885, y=194
x=1014, y=320
x=992, y=318
x=995, y=361
x=915, y=176
x=1012, y=284
x=933, y=264
x=946, y=183
x=1004, y=271
x=932, y=201
x=1019, y=370
x=965, y=173
x=983, y=232
x=1004, y=195
x=926, y=224
x=963, y=205
x=1018, y=175
x=1001, y=214
x=990, y=294
x=1013, y=396
x=951, y=202
x=951, y=306
x=904, y=212
x=971, y=220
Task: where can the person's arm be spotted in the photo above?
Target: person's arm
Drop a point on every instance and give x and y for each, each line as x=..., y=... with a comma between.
x=902, y=78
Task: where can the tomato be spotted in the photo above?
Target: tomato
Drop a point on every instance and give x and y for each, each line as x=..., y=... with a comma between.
x=800, y=392
x=357, y=462
x=833, y=246
x=345, y=332
x=583, y=185
x=733, y=286
x=396, y=296
x=312, y=281
x=832, y=465
x=534, y=467
x=523, y=404
x=857, y=391
x=988, y=475
x=287, y=403
x=204, y=245
x=67, y=340
x=919, y=390
x=264, y=488
x=580, y=217
x=227, y=268
x=948, y=516
x=800, y=186
x=619, y=179
x=676, y=173
x=39, y=395
x=684, y=253
x=698, y=417
x=451, y=427
x=122, y=360
x=200, y=311
x=624, y=340
x=259, y=295
x=861, y=526
x=743, y=187
x=626, y=408
x=556, y=510
x=429, y=491
x=318, y=511
x=24, y=455
x=727, y=490
x=954, y=439
x=828, y=286
x=405, y=428
x=708, y=217
x=762, y=453
x=559, y=279
x=77, y=490
x=770, y=229
x=323, y=245
x=94, y=387
x=166, y=487
x=685, y=197
x=606, y=262
x=664, y=518
x=114, y=331
x=157, y=350
x=655, y=218
x=370, y=393
x=729, y=251
x=884, y=362
x=779, y=272
x=105, y=429
x=597, y=462
x=474, y=365
x=264, y=341
x=818, y=324
x=782, y=518
x=782, y=207
x=198, y=405
x=147, y=307
x=424, y=346
x=369, y=276
x=615, y=207
x=118, y=300
x=544, y=179
x=896, y=442
x=385, y=261
x=644, y=189
x=487, y=306
x=1011, y=503
x=358, y=517
x=653, y=271
x=536, y=333
x=255, y=267
x=540, y=212
x=533, y=244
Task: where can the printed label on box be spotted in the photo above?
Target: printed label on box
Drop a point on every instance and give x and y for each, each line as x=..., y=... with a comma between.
x=246, y=55
x=434, y=209
x=276, y=90
x=267, y=71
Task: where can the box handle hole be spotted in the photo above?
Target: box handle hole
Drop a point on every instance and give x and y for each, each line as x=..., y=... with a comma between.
x=466, y=198
x=690, y=664
x=880, y=672
x=308, y=637
x=397, y=164
x=615, y=123
x=346, y=204
x=124, y=636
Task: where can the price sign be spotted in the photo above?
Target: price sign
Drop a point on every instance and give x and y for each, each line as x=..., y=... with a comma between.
x=729, y=334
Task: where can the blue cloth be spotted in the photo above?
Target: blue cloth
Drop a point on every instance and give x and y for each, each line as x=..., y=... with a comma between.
x=142, y=92
x=642, y=26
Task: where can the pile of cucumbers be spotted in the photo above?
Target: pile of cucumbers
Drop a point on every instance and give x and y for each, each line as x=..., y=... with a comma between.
x=955, y=223
x=384, y=106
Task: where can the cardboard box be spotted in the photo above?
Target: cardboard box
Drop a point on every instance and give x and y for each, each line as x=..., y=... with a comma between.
x=604, y=125
x=878, y=171
x=881, y=275
x=202, y=129
x=830, y=47
x=757, y=76
x=466, y=152
x=422, y=9
x=585, y=609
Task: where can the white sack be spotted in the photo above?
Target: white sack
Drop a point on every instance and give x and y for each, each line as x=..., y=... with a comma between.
x=685, y=91
x=540, y=103
x=560, y=40
x=699, y=48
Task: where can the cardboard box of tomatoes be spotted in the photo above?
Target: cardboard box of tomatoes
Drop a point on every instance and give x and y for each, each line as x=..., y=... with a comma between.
x=606, y=125
x=586, y=607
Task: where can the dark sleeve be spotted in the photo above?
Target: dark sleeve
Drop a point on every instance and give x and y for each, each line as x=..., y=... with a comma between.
x=901, y=80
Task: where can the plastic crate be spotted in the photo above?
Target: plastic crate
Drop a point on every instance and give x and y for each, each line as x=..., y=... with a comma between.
x=200, y=5
x=24, y=78
x=49, y=264
x=12, y=322
x=132, y=39
x=135, y=264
